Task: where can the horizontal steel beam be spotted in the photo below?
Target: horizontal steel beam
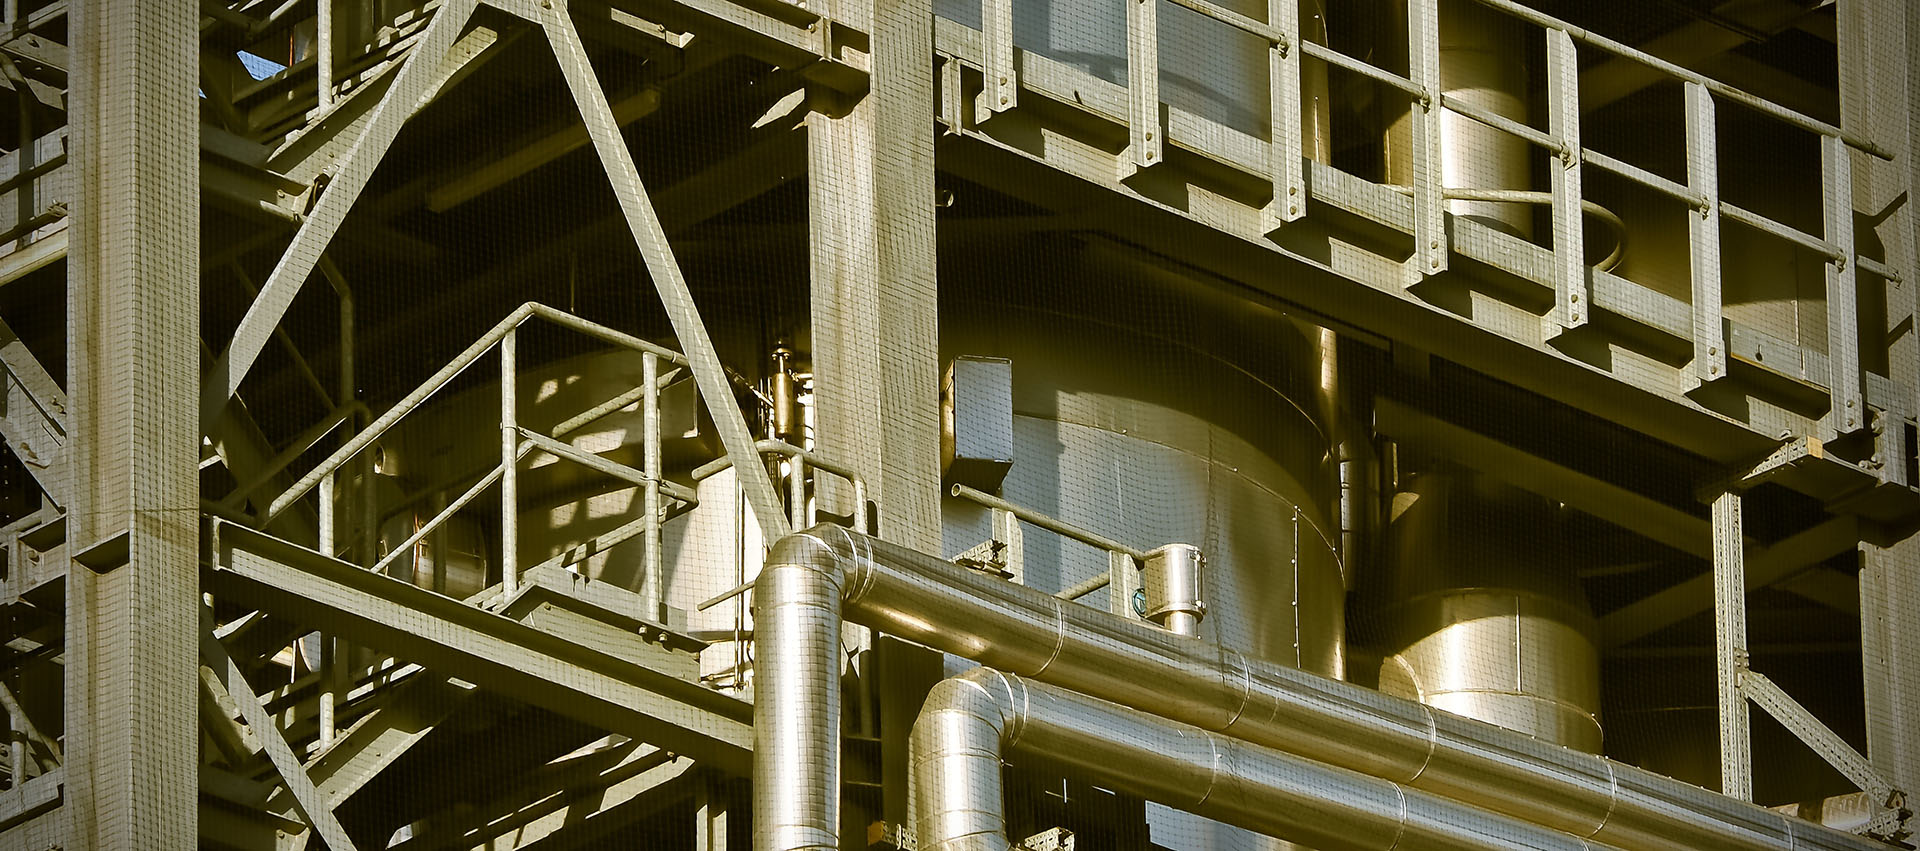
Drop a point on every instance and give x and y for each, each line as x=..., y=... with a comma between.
x=1775, y=564
x=1671, y=526
x=491, y=651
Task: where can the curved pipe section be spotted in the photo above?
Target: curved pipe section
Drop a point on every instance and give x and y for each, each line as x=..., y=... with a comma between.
x=815, y=575
x=970, y=721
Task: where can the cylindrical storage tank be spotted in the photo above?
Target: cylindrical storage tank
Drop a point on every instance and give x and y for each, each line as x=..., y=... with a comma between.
x=1483, y=63
x=1151, y=440
x=1484, y=617
x=1209, y=69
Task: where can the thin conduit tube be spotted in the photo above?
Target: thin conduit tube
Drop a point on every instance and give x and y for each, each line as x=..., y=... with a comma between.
x=971, y=721
x=812, y=576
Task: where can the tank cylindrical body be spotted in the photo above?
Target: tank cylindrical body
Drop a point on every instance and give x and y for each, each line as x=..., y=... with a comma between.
x=1483, y=63
x=1483, y=623
x=1151, y=440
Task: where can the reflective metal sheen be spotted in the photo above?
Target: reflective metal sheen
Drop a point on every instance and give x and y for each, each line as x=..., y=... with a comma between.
x=971, y=721
x=813, y=576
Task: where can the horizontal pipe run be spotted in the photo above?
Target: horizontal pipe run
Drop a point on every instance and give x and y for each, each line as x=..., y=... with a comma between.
x=1058, y=527
x=812, y=576
x=969, y=723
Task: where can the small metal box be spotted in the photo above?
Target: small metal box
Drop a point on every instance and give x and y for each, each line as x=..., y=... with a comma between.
x=976, y=422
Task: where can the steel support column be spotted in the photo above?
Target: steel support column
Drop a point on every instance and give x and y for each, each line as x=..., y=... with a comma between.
x=1880, y=98
x=874, y=304
x=133, y=374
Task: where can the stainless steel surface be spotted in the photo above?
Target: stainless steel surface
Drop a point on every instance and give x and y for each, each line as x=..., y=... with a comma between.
x=971, y=722
x=1173, y=579
x=1130, y=433
x=814, y=576
x=1482, y=68
x=1487, y=620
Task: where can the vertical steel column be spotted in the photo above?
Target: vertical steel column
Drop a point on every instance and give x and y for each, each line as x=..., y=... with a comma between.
x=323, y=53
x=1286, y=147
x=335, y=655
x=133, y=369
x=1145, y=138
x=1430, y=241
x=1844, y=381
x=509, y=465
x=1879, y=58
x=1703, y=177
x=1730, y=645
x=651, y=596
x=1573, y=301
x=874, y=309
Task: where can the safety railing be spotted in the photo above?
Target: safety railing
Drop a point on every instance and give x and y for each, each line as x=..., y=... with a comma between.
x=517, y=441
x=1123, y=562
x=802, y=512
x=1572, y=308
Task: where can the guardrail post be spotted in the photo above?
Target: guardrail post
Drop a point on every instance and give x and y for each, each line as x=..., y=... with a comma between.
x=1843, y=317
x=1430, y=244
x=1286, y=150
x=1573, y=295
x=1703, y=179
x=1124, y=582
x=1145, y=135
x=1002, y=89
x=509, y=466
x=651, y=594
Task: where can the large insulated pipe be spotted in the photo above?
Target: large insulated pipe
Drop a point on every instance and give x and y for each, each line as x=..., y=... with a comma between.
x=971, y=721
x=811, y=577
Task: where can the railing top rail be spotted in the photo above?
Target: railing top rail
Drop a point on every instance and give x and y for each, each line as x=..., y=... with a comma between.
x=1751, y=101
x=446, y=375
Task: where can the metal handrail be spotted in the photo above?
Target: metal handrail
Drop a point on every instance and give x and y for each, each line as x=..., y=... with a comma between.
x=1059, y=527
x=800, y=458
x=1751, y=101
x=445, y=375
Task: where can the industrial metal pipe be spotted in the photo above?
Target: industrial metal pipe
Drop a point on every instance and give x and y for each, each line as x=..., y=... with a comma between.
x=811, y=577
x=971, y=721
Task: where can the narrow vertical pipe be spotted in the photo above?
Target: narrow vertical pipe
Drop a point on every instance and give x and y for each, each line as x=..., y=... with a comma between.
x=797, y=491
x=326, y=516
x=327, y=695
x=509, y=466
x=1730, y=645
x=650, y=594
x=336, y=658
